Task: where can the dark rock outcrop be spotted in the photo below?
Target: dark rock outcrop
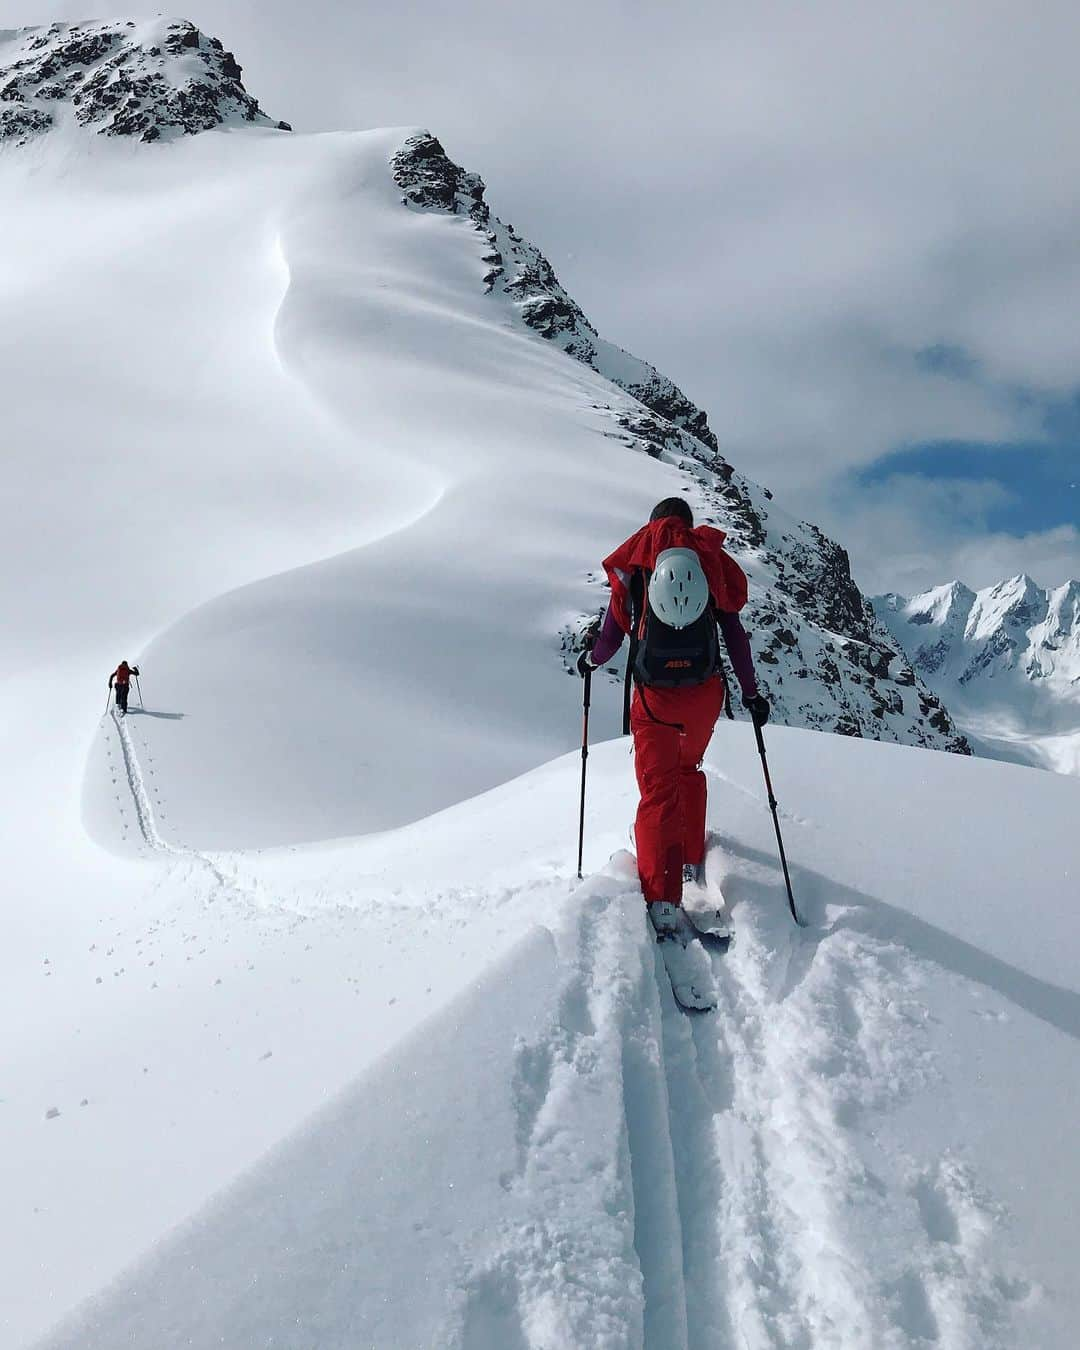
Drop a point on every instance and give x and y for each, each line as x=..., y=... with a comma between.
x=154, y=81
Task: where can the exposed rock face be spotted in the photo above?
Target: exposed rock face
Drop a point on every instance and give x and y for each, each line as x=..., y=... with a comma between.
x=153, y=80
x=822, y=657
x=518, y=270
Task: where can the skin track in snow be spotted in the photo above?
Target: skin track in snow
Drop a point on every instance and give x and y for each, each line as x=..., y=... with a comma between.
x=827, y=1160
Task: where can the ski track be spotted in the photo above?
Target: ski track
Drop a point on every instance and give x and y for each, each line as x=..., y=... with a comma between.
x=816, y=1036
x=767, y=1213
x=144, y=808
x=221, y=883
x=710, y=1182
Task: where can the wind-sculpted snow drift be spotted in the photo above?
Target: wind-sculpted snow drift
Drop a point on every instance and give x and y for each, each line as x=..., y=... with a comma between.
x=385, y=363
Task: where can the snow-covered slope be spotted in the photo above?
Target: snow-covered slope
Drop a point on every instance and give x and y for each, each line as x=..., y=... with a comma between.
x=300, y=372
x=1007, y=661
x=489, y=1125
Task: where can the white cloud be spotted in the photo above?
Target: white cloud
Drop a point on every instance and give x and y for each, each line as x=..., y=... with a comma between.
x=778, y=204
x=908, y=533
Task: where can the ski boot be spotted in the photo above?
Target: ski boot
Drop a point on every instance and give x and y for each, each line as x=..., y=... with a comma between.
x=664, y=917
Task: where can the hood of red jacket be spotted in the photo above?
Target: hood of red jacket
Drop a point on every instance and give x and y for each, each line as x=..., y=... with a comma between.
x=727, y=580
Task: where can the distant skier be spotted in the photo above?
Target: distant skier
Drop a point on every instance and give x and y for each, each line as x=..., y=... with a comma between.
x=120, y=679
x=671, y=585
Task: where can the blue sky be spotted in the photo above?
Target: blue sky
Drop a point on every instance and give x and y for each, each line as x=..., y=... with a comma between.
x=1041, y=483
x=1039, y=479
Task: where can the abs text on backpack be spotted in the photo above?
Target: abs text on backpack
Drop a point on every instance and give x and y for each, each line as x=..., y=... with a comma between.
x=663, y=657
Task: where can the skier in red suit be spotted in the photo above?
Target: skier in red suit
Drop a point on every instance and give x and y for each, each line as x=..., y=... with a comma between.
x=672, y=585
x=120, y=680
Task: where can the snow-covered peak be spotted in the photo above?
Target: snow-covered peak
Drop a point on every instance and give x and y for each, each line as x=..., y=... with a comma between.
x=943, y=607
x=1006, y=659
x=153, y=79
x=1016, y=603
x=1063, y=608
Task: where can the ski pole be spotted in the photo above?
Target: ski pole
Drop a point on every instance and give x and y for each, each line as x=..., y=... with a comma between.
x=776, y=824
x=138, y=686
x=108, y=699
x=584, y=760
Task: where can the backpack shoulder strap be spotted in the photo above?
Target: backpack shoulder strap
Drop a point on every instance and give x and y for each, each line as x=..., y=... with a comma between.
x=639, y=581
x=637, y=608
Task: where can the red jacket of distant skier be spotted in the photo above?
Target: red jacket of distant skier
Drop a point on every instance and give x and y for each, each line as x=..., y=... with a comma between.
x=123, y=673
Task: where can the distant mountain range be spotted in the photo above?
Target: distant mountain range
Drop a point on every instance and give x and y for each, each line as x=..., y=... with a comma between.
x=1006, y=660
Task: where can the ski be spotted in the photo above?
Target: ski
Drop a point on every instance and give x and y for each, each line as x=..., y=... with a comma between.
x=688, y=965
x=689, y=968
x=711, y=924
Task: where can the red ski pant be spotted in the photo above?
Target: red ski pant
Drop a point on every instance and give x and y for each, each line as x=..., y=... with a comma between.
x=669, y=746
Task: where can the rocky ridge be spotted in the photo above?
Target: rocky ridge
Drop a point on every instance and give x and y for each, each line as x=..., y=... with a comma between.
x=153, y=80
x=822, y=656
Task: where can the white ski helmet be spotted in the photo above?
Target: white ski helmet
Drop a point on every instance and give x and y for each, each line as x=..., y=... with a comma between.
x=678, y=591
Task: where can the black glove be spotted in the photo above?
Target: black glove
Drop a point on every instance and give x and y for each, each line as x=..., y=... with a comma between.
x=758, y=708
x=584, y=664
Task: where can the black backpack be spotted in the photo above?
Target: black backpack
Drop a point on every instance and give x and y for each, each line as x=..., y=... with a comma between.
x=662, y=657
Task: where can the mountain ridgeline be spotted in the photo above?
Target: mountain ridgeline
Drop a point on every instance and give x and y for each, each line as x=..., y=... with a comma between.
x=822, y=657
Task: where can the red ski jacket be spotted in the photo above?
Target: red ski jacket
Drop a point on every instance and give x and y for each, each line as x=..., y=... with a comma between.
x=727, y=580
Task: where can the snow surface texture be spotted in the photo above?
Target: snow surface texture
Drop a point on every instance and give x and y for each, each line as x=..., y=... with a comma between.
x=821, y=656
x=154, y=79
x=1007, y=661
x=509, y=1136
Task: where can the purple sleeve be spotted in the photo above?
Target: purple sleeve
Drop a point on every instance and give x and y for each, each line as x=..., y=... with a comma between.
x=609, y=641
x=738, y=645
